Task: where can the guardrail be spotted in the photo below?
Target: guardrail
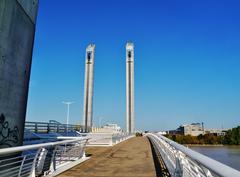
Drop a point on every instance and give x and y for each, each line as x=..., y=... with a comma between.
x=41, y=159
x=118, y=138
x=52, y=127
x=181, y=161
x=105, y=139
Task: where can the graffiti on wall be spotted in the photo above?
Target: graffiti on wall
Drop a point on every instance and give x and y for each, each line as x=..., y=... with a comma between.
x=8, y=136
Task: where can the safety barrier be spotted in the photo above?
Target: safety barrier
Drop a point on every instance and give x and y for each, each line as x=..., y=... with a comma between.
x=184, y=162
x=41, y=159
x=106, y=139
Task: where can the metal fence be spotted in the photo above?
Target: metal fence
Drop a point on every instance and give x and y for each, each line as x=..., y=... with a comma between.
x=106, y=139
x=184, y=162
x=52, y=127
x=40, y=159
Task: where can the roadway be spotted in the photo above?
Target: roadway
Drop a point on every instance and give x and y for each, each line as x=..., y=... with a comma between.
x=131, y=158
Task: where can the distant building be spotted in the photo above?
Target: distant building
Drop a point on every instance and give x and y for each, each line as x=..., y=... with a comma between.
x=217, y=132
x=196, y=129
x=193, y=129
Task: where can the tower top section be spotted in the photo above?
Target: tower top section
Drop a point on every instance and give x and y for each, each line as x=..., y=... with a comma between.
x=129, y=46
x=90, y=53
x=90, y=47
x=129, y=52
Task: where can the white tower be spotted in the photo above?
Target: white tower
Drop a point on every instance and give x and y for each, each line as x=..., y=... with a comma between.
x=130, y=87
x=88, y=88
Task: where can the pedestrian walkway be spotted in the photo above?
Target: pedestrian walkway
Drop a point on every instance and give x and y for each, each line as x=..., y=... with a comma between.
x=131, y=158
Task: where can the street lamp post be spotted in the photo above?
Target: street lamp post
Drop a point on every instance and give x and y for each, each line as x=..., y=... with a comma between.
x=68, y=107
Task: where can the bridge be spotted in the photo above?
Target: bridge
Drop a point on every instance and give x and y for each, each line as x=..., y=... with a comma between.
x=150, y=155
x=54, y=149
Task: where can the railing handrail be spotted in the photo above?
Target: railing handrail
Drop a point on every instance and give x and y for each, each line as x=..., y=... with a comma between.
x=52, y=123
x=5, y=151
x=213, y=165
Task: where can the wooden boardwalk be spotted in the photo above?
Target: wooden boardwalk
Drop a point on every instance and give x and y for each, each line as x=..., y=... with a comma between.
x=131, y=158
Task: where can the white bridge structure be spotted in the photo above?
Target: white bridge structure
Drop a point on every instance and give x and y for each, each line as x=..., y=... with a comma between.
x=184, y=162
x=52, y=158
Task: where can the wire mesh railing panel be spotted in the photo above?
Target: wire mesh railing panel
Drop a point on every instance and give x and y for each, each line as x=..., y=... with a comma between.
x=40, y=159
x=184, y=162
x=15, y=166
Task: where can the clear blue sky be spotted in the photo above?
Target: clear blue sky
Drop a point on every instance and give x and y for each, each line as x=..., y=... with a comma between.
x=187, y=61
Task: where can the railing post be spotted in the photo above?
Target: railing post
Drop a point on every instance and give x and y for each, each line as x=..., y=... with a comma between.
x=36, y=128
x=207, y=172
x=53, y=161
x=20, y=170
x=48, y=127
x=41, y=155
x=33, y=170
x=178, y=168
x=84, y=154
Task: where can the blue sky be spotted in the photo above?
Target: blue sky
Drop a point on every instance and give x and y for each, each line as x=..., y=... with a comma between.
x=187, y=60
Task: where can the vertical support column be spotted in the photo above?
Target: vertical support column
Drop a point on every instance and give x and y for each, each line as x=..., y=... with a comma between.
x=130, y=87
x=17, y=29
x=88, y=88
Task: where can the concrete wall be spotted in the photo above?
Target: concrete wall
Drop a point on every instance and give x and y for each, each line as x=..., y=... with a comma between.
x=17, y=28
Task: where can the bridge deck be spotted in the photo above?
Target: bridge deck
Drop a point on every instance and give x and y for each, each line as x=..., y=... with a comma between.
x=132, y=157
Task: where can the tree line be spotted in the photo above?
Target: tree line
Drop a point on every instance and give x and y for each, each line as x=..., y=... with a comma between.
x=232, y=137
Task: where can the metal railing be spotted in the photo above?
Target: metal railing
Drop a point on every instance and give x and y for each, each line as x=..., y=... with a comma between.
x=52, y=127
x=121, y=137
x=105, y=139
x=40, y=159
x=184, y=162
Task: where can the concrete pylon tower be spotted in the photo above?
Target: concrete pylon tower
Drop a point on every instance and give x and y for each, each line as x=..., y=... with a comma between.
x=130, y=87
x=17, y=29
x=88, y=88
